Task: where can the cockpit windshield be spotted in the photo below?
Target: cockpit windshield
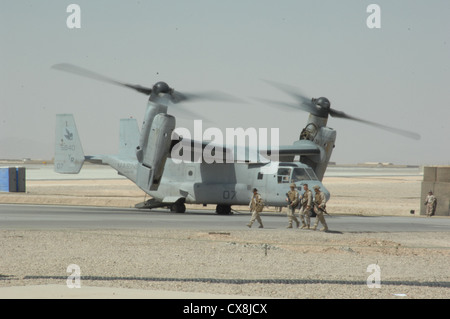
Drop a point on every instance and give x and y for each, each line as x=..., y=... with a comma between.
x=311, y=174
x=298, y=174
x=302, y=174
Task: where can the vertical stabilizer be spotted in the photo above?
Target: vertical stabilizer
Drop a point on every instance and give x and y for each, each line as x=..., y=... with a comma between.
x=129, y=137
x=69, y=156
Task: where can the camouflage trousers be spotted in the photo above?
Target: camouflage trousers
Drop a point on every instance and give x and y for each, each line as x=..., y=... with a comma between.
x=430, y=210
x=304, y=216
x=255, y=216
x=320, y=218
x=291, y=215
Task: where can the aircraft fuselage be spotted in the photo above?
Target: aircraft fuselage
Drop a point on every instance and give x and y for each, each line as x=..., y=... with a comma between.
x=232, y=183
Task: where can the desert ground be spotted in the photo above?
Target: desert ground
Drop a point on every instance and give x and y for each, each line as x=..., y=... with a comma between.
x=253, y=263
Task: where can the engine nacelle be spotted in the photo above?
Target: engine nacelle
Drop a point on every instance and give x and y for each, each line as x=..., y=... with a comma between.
x=324, y=137
x=153, y=157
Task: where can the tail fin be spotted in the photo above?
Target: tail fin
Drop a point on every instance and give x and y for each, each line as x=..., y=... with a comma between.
x=129, y=137
x=69, y=156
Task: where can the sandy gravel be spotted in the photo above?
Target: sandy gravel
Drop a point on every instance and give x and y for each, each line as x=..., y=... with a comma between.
x=266, y=263
x=276, y=263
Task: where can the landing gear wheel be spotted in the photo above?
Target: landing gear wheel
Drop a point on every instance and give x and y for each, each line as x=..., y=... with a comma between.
x=178, y=208
x=223, y=209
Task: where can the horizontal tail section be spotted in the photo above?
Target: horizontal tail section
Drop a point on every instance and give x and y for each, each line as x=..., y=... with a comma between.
x=69, y=155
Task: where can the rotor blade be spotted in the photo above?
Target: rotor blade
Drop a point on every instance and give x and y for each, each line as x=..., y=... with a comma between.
x=188, y=114
x=209, y=95
x=305, y=103
x=340, y=114
x=287, y=106
x=292, y=91
x=70, y=68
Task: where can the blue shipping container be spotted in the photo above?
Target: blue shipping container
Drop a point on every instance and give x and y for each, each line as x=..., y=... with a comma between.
x=12, y=179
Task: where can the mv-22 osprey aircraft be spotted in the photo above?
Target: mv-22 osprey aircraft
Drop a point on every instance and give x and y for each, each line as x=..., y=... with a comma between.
x=145, y=156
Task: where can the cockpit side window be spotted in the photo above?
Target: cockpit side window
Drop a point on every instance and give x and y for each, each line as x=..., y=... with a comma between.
x=284, y=175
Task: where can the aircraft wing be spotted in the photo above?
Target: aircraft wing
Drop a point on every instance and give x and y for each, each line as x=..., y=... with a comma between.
x=303, y=147
x=287, y=153
x=190, y=150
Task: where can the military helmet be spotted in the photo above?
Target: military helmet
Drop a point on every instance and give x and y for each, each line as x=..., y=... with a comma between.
x=293, y=185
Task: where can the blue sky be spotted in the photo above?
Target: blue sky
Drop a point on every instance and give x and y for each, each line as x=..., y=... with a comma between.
x=397, y=75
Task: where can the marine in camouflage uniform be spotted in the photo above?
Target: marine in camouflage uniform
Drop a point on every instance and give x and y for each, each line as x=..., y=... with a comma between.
x=319, y=208
x=256, y=207
x=306, y=204
x=293, y=197
x=430, y=202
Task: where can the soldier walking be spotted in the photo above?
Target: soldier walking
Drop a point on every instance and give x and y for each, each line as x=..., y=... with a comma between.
x=293, y=199
x=306, y=203
x=319, y=208
x=256, y=207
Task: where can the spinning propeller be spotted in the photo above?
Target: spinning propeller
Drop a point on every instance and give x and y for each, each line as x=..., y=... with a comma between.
x=153, y=92
x=321, y=107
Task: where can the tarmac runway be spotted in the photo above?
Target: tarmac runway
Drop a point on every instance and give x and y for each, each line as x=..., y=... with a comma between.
x=41, y=217
x=46, y=172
